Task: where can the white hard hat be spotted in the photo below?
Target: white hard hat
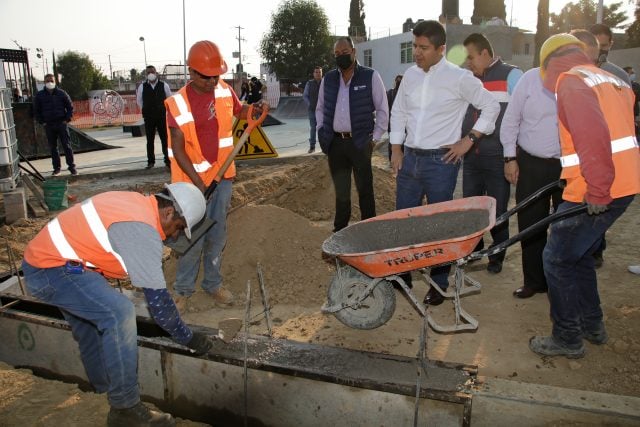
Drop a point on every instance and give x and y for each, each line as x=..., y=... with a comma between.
x=189, y=202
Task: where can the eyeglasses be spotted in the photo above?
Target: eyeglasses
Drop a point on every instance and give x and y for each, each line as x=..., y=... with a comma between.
x=203, y=77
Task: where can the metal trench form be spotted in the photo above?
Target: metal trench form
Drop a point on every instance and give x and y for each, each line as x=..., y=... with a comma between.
x=288, y=383
x=298, y=384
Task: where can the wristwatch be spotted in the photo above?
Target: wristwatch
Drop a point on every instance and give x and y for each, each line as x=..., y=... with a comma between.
x=509, y=159
x=473, y=137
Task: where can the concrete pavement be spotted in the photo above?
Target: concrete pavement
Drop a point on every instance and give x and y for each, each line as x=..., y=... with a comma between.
x=288, y=139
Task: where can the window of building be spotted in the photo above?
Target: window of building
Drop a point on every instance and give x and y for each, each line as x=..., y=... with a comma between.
x=368, y=58
x=526, y=48
x=406, y=53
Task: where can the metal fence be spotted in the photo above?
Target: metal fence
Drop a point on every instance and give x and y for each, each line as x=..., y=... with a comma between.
x=109, y=109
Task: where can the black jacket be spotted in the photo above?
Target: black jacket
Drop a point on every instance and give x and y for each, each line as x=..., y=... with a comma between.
x=53, y=107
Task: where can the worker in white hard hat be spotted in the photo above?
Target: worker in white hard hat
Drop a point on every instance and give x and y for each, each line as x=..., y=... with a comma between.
x=115, y=235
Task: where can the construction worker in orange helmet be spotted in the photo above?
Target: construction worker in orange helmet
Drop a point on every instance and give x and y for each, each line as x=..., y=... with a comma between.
x=200, y=120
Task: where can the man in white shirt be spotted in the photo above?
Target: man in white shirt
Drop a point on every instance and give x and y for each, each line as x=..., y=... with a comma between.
x=430, y=106
x=150, y=97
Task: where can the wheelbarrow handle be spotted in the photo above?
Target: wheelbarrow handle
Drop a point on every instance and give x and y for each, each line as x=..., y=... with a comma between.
x=544, y=191
x=535, y=228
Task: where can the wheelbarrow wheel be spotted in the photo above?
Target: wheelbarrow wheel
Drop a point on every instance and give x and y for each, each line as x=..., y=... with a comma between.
x=373, y=312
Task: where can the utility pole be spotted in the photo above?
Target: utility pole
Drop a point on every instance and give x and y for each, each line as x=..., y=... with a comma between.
x=110, y=68
x=600, y=12
x=240, y=40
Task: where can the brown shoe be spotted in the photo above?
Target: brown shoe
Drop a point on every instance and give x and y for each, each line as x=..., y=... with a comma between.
x=222, y=296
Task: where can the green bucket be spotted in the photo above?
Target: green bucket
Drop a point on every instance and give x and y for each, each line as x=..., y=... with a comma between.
x=55, y=194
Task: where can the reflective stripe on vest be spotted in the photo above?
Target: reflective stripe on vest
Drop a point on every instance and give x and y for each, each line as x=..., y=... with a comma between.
x=97, y=228
x=617, y=146
x=592, y=79
x=201, y=167
x=185, y=115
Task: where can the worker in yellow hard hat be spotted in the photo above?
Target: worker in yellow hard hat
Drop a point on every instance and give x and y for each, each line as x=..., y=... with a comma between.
x=200, y=120
x=601, y=165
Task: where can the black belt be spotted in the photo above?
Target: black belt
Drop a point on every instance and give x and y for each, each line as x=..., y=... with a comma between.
x=342, y=135
x=421, y=152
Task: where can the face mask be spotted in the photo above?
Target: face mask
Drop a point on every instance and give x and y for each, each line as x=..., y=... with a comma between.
x=50, y=85
x=152, y=77
x=632, y=77
x=602, y=55
x=344, y=61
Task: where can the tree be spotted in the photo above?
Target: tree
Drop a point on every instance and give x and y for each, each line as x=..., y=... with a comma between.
x=356, y=20
x=542, y=32
x=298, y=40
x=583, y=14
x=79, y=74
x=633, y=31
x=133, y=73
x=483, y=10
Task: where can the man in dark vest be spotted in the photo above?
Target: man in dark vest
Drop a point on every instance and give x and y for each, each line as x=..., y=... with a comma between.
x=150, y=96
x=483, y=170
x=352, y=115
x=310, y=97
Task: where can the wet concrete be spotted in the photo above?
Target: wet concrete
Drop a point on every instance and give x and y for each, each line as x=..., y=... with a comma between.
x=395, y=233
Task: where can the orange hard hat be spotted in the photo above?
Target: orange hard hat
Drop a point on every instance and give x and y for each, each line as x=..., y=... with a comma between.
x=204, y=57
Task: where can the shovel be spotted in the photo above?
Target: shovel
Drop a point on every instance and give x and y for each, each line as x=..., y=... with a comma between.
x=181, y=245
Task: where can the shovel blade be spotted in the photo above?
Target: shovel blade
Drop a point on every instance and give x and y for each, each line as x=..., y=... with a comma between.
x=181, y=245
x=228, y=329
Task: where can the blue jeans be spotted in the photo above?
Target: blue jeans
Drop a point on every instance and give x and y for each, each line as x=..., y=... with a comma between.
x=570, y=271
x=424, y=173
x=312, y=129
x=209, y=246
x=103, y=322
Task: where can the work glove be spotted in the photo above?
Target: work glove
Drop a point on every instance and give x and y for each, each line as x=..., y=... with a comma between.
x=200, y=344
x=595, y=209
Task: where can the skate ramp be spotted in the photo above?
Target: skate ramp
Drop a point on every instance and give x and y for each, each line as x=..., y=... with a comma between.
x=291, y=107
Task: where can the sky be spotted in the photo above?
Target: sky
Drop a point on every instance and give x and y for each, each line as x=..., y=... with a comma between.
x=111, y=31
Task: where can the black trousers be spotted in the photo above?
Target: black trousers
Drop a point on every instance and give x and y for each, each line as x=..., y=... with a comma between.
x=344, y=160
x=484, y=176
x=151, y=124
x=535, y=173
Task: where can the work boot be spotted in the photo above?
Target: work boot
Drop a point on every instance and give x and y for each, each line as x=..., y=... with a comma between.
x=597, y=337
x=549, y=346
x=139, y=416
x=222, y=296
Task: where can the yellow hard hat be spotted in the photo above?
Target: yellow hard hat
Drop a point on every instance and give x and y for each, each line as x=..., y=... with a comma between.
x=554, y=43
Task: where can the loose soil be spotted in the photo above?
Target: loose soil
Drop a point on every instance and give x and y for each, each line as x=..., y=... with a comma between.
x=281, y=214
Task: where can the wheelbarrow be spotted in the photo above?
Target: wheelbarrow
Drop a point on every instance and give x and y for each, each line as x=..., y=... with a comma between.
x=372, y=254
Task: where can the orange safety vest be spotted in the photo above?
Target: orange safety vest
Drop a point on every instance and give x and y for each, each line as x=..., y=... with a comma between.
x=180, y=108
x=80, y=233
x=616, y=103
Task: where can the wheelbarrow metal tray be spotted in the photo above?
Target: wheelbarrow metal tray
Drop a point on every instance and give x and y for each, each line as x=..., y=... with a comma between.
x=414, y=238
